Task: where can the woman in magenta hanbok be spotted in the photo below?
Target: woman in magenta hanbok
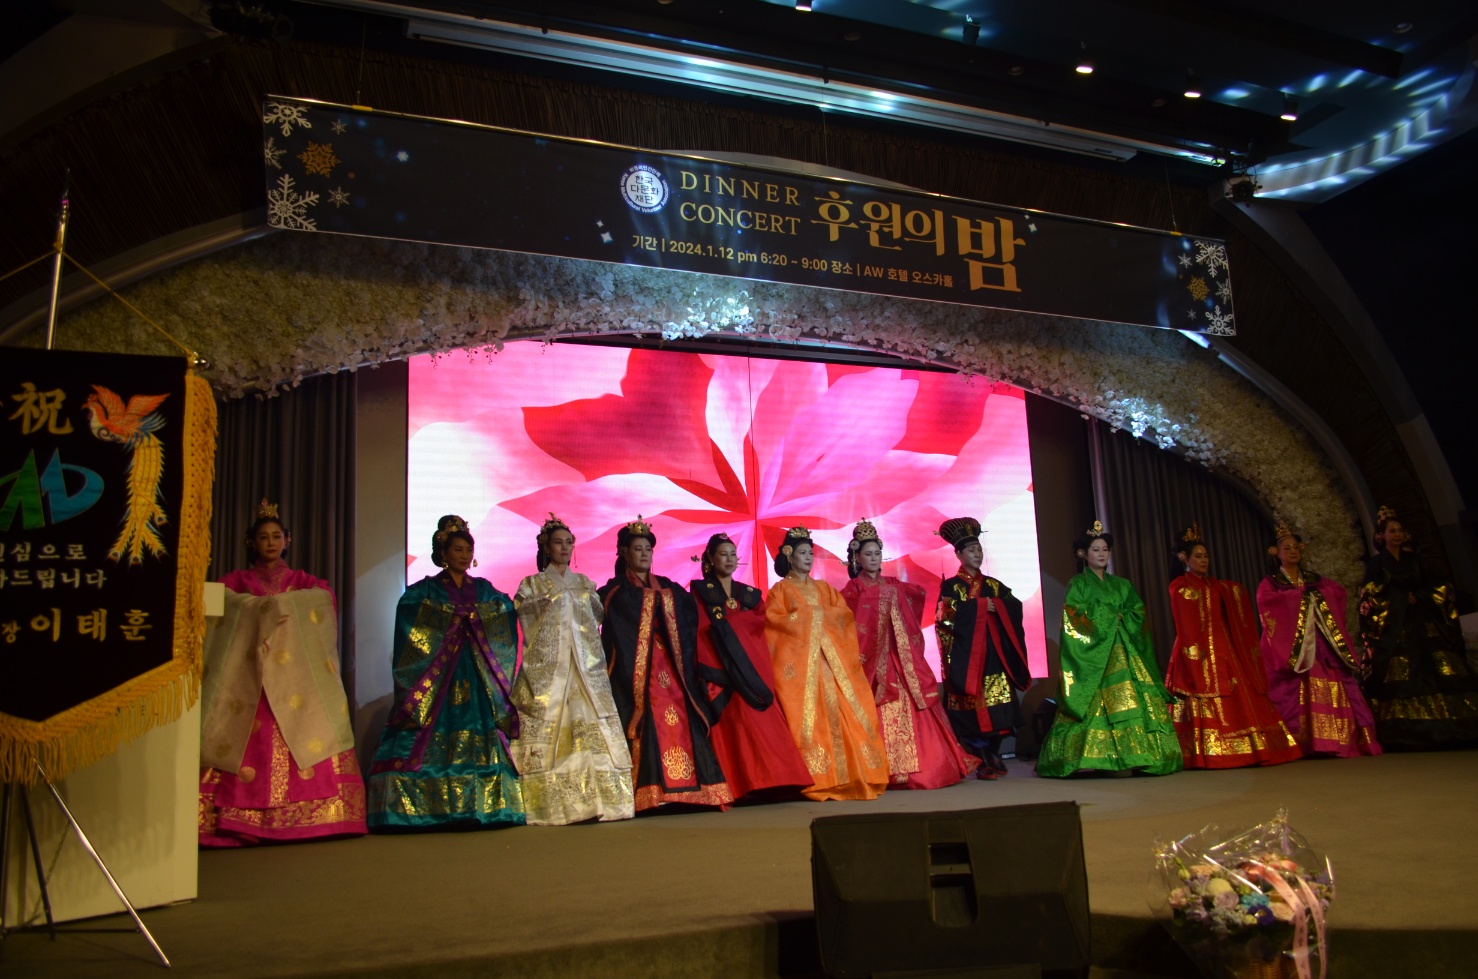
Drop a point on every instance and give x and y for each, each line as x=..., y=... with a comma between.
x=1313, y=668
x=277, y=749
x=922, y=751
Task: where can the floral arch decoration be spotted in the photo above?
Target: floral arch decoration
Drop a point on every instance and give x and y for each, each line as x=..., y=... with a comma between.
x=273, y=311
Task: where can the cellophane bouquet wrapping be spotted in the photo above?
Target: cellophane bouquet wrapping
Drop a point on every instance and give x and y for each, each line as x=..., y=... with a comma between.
x=1251, y=906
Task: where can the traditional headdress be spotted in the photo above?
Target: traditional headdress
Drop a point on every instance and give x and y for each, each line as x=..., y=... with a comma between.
x=1093, y=533
x=1192, y=535
x=265, y=512
x=541, y=540
x=636, y=529
x=1281, y=533
x=861, y=534
x=960, y=532
x=448, y=527
x=793, y=536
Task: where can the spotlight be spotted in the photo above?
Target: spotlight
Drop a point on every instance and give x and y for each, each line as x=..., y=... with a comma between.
x=1085, y=63
x=804, y=5
x=972, y=30
x=1192, y=84
x=1290, y=108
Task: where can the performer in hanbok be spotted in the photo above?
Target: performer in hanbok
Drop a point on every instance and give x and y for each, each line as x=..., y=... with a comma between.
x=277, y=749
x=819, y=678
x=1313, y=669
x=982, y=645
x=443, y=760
x=1111, y=713
x=1420, y=688
x=650, y=641
x=922, y=751
x=571, y=753
x=1223, y=718
x=750, y=737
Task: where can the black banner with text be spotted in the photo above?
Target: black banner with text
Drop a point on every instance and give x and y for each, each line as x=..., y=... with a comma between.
x=90, y=491
x=360, y=172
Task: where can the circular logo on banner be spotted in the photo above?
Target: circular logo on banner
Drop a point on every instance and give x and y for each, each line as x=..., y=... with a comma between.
x=644, y=188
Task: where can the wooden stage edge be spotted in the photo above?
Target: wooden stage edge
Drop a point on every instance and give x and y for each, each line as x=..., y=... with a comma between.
x=729, y=894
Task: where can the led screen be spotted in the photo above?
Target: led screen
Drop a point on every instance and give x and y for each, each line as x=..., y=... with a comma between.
x=702, y=443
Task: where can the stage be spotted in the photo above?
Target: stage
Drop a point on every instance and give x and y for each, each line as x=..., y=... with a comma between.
x=729, y=894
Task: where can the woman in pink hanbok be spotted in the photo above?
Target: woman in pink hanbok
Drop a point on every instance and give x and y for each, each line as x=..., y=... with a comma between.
x=922, y=751
x=276, y=746
x=1313, y=668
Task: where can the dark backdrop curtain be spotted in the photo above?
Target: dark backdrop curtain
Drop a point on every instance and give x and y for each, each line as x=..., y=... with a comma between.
x=1149, y=497
x=297, y=450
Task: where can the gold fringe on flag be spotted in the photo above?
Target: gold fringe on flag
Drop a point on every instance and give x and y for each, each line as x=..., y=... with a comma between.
x=89, y=732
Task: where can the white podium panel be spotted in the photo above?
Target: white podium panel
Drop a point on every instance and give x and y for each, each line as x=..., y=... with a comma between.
x=138, y=806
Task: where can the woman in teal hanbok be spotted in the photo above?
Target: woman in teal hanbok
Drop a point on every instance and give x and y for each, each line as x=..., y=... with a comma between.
x=443, y=760
x=1111, y=713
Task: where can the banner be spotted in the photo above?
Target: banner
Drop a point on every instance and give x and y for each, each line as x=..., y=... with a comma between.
x=106, y=465
x=352, y=170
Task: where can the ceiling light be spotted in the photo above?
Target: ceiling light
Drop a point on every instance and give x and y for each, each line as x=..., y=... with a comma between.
x=1290, y=108
x=803, y=5
x=1085, y=63
x=972, y=30
x=1192, y=84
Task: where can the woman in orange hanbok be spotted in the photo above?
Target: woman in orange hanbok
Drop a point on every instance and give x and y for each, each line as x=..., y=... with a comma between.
x=823, y=690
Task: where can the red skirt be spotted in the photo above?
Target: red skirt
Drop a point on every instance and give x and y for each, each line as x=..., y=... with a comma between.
x=1232, y=730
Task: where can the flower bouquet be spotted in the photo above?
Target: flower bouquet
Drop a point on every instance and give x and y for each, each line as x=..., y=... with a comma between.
x=1248, y=907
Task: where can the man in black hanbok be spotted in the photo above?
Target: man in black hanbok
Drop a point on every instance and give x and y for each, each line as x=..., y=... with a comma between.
x=982, y=649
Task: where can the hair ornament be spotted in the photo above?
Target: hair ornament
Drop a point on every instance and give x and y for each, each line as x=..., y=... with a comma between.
x=450, y=524
x=1384, y=513
x=1192, y=534
x=638, y=527
x=1095, y=531
x=1282, y=530
x=266, y=511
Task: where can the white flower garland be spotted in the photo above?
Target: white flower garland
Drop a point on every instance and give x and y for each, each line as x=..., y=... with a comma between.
x=269, y=313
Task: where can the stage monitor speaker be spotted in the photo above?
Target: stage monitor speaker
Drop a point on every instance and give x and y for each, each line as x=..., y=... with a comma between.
x=990, y=891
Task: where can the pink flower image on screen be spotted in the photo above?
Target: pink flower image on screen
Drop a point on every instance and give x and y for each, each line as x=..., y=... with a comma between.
x=699, y=444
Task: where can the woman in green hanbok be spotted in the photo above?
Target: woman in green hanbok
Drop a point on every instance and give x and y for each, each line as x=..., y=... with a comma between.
x=1111, y=713
x=444, y=757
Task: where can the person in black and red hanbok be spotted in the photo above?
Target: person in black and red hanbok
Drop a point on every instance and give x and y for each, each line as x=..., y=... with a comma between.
x=751, y=737
x=650, y=639
x=983, y=649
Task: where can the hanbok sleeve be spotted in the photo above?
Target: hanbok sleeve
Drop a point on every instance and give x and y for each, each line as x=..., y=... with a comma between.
x=1088, y=629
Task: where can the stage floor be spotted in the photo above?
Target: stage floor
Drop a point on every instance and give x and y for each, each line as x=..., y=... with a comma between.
x=729, y=894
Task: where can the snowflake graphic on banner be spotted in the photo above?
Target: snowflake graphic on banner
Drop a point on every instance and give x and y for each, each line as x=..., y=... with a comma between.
x=1212, y=256
x=273, y=153
x=338, y=197
x=286, y=208
x=286, y=115
x=1224, y=291
x=319, y=158
x=1198, y=288
x=1219, y=323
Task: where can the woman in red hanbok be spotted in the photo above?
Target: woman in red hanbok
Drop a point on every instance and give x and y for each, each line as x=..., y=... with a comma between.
x=1313, y=668
x=1223, y=717
x=750, y=737
x=265, y=779
x=922, y=751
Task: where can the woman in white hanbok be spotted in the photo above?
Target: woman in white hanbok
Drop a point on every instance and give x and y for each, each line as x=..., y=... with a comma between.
x=571, y=753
